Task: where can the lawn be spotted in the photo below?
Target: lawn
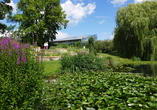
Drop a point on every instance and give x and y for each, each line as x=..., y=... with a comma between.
x=51, y=67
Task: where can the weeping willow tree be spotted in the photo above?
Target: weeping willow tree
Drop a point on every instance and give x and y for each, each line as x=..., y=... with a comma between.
x=136, y=30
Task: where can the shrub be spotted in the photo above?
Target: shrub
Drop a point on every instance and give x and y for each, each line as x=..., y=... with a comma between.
x=62, y=45
x=135, y=59
x=20, y=76
x=104, y=91
x=81, y=63
x=78, y=44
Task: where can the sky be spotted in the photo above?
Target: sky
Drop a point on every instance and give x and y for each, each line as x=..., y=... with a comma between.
x=89, y=17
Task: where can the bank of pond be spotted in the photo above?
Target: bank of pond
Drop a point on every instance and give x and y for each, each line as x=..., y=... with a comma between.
x=144, y=69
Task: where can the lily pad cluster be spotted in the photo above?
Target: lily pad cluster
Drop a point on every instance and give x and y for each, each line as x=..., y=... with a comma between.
x=103, y=91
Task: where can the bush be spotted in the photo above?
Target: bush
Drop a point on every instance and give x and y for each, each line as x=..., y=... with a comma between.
x=62, y=45
x=78, y=44
x=135, y=59
x=104, y=91
x=81, y=63
x=20, y=76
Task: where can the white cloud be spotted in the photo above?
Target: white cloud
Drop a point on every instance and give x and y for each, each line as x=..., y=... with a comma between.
x=118, y=2
x=101, y=22
x=110, y=37
x=14, y=6
x=76, y=12
x=77, y=0
x=104, y=33
x=138, y=1
x=102, y=17
x=107, y=35
x=62, y=35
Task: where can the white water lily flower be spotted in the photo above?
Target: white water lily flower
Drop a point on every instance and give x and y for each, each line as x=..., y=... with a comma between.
x=130, y=104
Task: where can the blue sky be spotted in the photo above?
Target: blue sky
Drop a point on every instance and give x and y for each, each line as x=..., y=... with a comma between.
x=87, y=17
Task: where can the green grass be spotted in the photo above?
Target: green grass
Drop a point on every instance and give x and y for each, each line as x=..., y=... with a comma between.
x=51, y=67
x=120, y=60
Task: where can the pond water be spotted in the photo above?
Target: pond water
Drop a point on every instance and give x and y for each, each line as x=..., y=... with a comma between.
x=146, y=70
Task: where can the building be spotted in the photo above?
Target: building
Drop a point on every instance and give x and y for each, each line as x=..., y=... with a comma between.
x=72, y=40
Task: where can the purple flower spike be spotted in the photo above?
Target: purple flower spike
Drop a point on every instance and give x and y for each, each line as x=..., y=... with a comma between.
x=18, y=61
x=18, y=47
x=10, y=53
x=24, y=57
x=23, y=82
x=26, y=45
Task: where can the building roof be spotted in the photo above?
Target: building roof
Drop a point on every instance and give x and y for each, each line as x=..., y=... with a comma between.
x=74, y=38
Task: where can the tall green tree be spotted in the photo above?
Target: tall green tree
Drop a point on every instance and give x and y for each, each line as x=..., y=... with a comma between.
x=91, y=44
x=39, y=20
x=104, y=46
x=136, y=31
x=4, y=10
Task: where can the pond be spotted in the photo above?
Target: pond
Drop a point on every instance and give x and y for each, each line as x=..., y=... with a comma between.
x=146, y=70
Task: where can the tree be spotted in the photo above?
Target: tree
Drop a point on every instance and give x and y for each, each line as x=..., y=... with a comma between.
x=39, y=20
x=91, y=44
x=104, y=46
x=77, y=44
x=4, y=10
x=136, y=31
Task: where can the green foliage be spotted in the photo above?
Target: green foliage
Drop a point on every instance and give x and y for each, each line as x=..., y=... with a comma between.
x=51, y=67
x=5, y=9
x=111, y=66
x=105, y=46
x=62, y=45
x=103, y=91
x=135, y=34
x=81, y=63
x=39, y=20
x=47, y=54
x=120, y=68
x=91, y=44
x=21, y=84
x=59, y=46
x=78, y=44
x=135, y=59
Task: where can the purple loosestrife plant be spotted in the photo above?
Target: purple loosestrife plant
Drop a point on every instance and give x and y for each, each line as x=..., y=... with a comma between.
x=21, y=82
x=10, y=52
x=23, y=57
x=26, y=46
x=18, y=61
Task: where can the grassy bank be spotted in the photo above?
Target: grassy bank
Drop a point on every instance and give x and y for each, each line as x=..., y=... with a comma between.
x=53, y=67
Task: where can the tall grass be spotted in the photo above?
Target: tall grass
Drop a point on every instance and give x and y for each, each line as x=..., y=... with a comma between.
x=81, y=63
